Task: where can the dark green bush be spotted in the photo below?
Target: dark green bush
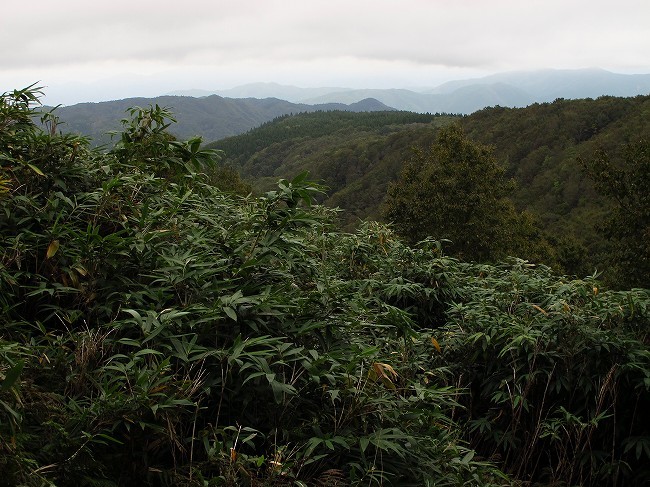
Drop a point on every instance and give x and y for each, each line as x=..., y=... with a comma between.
x=156, y=330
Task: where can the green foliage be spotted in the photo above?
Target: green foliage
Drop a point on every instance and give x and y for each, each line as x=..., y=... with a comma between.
x=542, y=144
x=146, y=143
x=629, y=221
x=457, y=191
x=313, y=125
x=159, y=331
x=354, y=154
x=539, y=146
x=558, y=374
x=27, y=155
x=156, y=330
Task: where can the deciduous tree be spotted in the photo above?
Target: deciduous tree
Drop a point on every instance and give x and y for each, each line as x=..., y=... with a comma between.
x=457, y=190
x=628, y=227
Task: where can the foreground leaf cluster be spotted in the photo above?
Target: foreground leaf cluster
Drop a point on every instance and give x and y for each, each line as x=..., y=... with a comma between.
x=157, y=330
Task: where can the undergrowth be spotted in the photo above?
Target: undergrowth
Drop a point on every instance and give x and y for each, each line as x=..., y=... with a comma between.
x=157, y=329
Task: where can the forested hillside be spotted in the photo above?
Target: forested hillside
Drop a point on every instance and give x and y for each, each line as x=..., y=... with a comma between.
x=355, y=155
x=539, y=146
x=159, y=329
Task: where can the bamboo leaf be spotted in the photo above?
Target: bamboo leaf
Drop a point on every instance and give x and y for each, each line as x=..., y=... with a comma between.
x=35, y=169
x=12, y=375
x=230, y=312
x=52, y=249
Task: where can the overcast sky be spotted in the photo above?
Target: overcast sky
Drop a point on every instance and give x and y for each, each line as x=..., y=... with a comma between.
x=82, y=50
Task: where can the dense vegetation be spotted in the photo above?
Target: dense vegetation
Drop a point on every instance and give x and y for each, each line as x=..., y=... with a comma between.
x=539, y=147
x=456, y=189
x=628, y=225
x=355, y=154
x=158, y=330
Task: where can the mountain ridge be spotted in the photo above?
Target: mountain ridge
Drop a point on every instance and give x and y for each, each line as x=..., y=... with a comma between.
x=213, y=117
x=510, y=89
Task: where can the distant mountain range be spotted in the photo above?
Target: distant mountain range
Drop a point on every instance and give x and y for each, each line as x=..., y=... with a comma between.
x=512, y=89
x=219, y=114
x=212, y=117
x=293, y=94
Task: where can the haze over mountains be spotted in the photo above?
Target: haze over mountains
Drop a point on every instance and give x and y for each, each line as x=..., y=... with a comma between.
x=512, y=89
x=223, y=113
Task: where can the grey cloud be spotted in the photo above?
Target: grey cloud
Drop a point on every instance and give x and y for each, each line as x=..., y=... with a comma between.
x=460, y=33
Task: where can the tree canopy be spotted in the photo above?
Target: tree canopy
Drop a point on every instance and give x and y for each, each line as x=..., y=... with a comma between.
x=627, y=227
x=357, y=155
x=456, y=190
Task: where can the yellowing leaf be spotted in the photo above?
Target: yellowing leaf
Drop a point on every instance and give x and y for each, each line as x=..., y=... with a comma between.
x=384, y=370
x=435, y=344
x=541, y=310
x=81, y=270
x=52, y=249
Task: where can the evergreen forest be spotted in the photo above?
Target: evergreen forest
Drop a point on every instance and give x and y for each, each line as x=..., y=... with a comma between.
x=181, y=314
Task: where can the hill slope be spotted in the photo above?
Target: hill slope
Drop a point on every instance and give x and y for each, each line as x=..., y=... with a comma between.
x=355, y=154
x=549, y=84
x=215, y=117
x=212, y=117
x=539, y=145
